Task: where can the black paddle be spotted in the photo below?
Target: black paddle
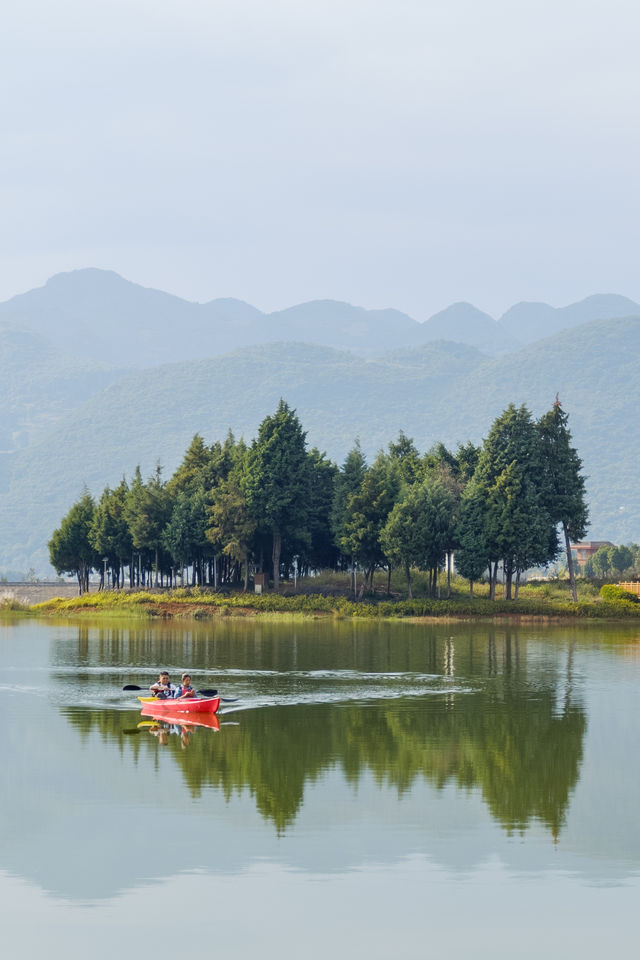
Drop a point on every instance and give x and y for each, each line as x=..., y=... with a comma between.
x=202, y=693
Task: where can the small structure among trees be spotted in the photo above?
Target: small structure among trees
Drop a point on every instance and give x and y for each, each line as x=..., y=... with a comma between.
x=583, y=551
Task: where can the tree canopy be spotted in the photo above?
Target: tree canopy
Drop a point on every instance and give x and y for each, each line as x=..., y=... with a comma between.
x=275, y=506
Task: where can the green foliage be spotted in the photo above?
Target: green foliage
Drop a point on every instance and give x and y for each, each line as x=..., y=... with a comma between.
x=213, y=604
x=367, y=511
x=621, y=558
x=600, y=562
x=514, y=524
x=406, y=456
x=614, y=594
x=228, y=504
x=277, y=471
x=70, y=547
x=564, y=485
x=473, y=554
x=320, y=550
x=466, y=461
x=183, y=534
x=277, y=480
x=188, y=476
x=109, y=534
x=420, y=527
x=347, y=484
x=231, y=523
x=148, y=509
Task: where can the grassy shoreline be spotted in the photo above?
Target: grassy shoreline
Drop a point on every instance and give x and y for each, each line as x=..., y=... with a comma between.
x=202, y=605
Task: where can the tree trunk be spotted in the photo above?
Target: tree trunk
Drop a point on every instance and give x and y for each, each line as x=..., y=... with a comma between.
x=449, y=556
x=517, y=584
x=277, y=544
x=365, y=579
x=389, y=580
x=493, y=573
x=407, y=571
x=508, y=570
x=572, y=573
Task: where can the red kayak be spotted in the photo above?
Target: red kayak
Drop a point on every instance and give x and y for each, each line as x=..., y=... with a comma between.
x=164, y=708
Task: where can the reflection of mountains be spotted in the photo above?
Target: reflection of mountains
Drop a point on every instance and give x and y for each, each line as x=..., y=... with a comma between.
x=511, y=743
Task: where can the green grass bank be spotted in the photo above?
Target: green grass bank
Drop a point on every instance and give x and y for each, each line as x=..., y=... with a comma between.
x=549, y=599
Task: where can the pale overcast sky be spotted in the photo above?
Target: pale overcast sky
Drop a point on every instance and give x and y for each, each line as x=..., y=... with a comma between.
x=404, y=153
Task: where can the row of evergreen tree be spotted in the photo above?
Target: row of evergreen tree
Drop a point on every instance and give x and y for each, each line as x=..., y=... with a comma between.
x=276, y=506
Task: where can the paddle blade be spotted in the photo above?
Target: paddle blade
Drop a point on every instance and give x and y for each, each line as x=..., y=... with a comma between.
x=131, y=686
x=208, y=693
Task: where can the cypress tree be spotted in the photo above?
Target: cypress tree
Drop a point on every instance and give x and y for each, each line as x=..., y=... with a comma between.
x=564, y=488
x=347, y=483
x=518, y=528
x=70, y=548
x=366, y=514
x=277, y=480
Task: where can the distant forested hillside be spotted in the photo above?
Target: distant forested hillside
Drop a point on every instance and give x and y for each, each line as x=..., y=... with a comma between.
x=528, y=322
x=40, y=385
x=440, y=391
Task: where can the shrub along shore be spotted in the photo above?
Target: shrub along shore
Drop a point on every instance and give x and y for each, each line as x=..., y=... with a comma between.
x=545, y=601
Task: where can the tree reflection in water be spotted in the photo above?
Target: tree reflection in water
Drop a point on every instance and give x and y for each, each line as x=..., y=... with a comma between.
x=513, y=731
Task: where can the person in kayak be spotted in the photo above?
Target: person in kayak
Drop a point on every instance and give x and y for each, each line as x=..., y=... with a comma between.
x=163, y=689
x=185, y=690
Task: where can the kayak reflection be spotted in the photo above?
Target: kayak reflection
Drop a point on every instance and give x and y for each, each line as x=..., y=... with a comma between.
x=177, y=724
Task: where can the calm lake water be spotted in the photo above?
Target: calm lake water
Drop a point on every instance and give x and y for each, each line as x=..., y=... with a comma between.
x=377, y=790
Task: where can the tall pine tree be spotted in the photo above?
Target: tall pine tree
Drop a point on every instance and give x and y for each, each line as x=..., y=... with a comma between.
x=564, y=489
x=277, y=480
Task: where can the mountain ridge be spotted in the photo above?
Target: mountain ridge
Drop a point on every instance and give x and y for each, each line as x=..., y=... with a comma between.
x=97, y=314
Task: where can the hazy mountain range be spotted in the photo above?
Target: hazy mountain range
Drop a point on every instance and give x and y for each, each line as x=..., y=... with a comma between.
x=73, y=411
x=96, y=314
